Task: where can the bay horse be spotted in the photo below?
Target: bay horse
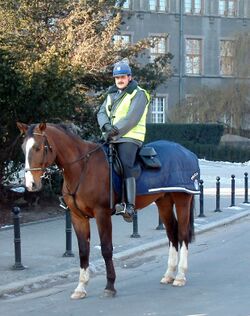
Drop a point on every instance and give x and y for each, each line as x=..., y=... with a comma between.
x=86, y=193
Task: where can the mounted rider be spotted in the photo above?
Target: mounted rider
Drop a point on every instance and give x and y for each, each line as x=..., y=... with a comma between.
x=122, y=117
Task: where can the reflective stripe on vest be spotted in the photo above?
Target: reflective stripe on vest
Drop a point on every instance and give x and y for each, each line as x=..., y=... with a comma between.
x=122, y=108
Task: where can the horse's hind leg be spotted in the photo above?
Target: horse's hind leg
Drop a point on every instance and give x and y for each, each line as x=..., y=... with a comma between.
x=104, y=225
x=82, y=230
x=165, y=207
x=184, y=210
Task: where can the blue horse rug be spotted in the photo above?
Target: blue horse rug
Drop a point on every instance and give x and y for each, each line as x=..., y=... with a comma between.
x=180, y=171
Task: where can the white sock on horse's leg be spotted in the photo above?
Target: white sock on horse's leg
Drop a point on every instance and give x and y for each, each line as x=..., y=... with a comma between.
x=180, y=279
x=169, y=275
x=80, y=291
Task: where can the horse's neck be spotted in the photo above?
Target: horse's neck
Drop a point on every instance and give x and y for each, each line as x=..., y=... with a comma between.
x=68, y=149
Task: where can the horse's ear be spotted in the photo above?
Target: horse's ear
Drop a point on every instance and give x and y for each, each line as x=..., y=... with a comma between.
x=42, y=127
x=22, y=127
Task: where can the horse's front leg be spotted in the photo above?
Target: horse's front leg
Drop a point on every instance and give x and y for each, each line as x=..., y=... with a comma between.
x=104, y=225
x=82, y=230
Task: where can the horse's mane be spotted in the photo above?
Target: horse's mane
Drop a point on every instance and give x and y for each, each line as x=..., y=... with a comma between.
x=66, y=128
x=69, y=129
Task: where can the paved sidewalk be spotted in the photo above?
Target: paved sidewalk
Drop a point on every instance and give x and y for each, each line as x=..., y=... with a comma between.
x=43, y=245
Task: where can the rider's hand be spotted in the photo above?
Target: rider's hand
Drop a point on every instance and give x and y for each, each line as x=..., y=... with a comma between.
x=110, y=131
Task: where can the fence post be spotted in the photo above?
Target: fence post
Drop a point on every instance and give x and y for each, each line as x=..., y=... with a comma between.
x=217, y=208
x=68, y=230
x=201, y=199
x=246, y=187
x=232, y=190
x=135, y=226
x=17, y=239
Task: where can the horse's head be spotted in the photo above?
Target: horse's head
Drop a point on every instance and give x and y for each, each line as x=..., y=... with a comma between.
x=39, y=154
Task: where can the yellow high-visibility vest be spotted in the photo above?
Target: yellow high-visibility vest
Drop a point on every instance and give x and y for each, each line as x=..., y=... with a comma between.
x=122, y=108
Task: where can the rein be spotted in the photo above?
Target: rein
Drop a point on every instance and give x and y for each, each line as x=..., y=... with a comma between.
x=47, y=145
x=47, y=175
x=86, y=156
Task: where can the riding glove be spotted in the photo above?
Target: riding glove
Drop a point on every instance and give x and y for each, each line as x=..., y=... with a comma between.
x=110, y=131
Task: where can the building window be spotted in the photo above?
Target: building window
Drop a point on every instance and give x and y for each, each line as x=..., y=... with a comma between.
x=227, y=57
x=160, y=47
x=126, y=4
x=158, y=110
x=193, y=56
x=193, y=6
x=123, y=39
x=228, y=7
x=158, y=5
x=191, y=103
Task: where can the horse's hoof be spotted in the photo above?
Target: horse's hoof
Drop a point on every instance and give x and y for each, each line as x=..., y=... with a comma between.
x=179, y=282
x=109, y=293
x=77, y=295
x=167, y=280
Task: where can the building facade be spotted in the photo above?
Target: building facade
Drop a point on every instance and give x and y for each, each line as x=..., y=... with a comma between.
x=199, y=33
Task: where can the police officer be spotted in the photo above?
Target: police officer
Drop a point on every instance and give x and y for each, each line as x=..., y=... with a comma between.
x=122, y=117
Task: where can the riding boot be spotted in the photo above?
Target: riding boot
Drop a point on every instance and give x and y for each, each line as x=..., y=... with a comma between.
x=128, y=210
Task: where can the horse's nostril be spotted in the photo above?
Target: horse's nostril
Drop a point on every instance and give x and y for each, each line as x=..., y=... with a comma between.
x=33, y=186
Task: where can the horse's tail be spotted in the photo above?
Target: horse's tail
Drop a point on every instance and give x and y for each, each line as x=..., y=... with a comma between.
x=191, y=221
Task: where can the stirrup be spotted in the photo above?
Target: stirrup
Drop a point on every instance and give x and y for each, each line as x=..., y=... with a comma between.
x=62, y=203
x=120, y=208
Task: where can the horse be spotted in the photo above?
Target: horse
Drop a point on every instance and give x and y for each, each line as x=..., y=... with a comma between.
x=86, y=192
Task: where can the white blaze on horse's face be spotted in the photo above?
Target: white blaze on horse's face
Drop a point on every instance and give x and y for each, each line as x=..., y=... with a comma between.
x=29, y=179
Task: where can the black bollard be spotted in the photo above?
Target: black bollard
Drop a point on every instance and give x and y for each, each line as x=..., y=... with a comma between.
x=17, y=239
x=135, y=226
x=68, y=229
x=201, y=199
x=217, y=208
x=232, y=190
x=160, y=225
x=246, y=187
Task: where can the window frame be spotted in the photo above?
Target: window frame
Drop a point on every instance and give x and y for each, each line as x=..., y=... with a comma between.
x=226, y=10
x=192, y=10
x=201, y=68
x=222, y=57
x=157, y=6
x=153, y=55
x=123, y=34
x=125, y=8
x=155, y=114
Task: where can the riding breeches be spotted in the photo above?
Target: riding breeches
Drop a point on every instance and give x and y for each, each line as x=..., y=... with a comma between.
x=127, y=154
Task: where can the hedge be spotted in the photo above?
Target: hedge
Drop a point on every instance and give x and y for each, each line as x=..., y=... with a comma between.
x=202, y=139
x=195, y=133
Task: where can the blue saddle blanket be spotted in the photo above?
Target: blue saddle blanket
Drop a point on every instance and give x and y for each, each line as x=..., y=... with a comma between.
x=180, y=171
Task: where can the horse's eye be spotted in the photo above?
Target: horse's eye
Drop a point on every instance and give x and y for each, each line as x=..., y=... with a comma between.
x=36, y=147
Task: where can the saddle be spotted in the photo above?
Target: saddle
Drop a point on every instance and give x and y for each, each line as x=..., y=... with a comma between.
x=146, y=159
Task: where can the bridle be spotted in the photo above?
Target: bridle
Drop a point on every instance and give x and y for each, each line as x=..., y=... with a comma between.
x=47, y=147
x=47, y=172
x=45, y=152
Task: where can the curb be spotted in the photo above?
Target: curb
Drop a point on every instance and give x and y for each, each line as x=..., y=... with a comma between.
x=97, y=266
